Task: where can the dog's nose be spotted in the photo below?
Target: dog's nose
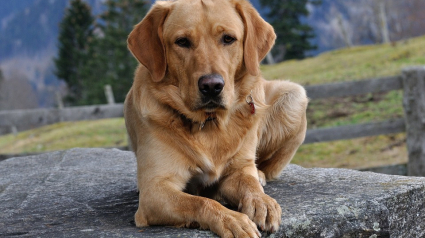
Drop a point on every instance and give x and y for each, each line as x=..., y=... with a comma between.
x=211, y=85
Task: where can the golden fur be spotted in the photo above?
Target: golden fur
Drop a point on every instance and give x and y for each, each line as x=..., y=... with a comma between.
x=181, y=151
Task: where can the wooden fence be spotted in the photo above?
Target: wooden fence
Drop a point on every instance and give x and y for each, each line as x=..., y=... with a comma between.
x=412, y=81
x=352, y=89
x=20, y=120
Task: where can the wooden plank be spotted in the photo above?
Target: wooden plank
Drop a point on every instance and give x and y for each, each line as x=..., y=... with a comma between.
x=33, y=118
x=414, y=109
x=354, y=131
x=353, y=88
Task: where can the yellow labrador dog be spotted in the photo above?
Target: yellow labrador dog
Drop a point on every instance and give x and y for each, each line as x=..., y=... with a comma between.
x=203, y=123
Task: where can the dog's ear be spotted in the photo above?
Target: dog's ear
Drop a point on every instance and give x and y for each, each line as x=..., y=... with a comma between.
x=146, y=42
x=259, y=37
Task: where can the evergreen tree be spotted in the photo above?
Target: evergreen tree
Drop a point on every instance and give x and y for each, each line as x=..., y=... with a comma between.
x=292, y=35
x=109, y=61
x=75, y=33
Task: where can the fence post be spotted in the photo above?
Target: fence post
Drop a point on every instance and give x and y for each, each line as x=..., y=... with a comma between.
x=414, y=109
x=14, y=130
x=59, y=100
x=269, y=58
x=109, y=94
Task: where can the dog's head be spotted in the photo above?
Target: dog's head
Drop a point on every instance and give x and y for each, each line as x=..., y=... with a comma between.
x=203, y=47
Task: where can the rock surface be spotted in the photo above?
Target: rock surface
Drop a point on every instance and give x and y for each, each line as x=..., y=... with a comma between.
x=92, y=193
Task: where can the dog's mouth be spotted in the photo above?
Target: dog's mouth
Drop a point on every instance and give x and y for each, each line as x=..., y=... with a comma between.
x=211, y=106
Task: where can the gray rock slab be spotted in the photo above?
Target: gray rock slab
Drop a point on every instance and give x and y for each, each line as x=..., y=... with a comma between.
x=92, y=193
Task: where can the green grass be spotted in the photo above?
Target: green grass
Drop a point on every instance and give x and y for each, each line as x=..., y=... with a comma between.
x=357, y=153
x=351, y=64
x=66, y=135
x=355, y=110
x=355, y=63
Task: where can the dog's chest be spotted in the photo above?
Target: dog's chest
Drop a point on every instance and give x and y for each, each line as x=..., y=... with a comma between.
x=218, y=144
x=223, y=143
x=219, y=150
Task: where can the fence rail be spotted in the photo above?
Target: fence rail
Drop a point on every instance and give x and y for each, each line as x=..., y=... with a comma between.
x=412, y=81
x=20, y=120
x=353, y=88
x=355, y=131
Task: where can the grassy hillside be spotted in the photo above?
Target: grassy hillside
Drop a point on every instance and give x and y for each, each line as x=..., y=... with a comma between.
x=351, y=64
x=341, y=65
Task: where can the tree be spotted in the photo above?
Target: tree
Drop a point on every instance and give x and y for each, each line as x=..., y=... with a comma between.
x=293, y=36
x=109, y=61
x=76, y=30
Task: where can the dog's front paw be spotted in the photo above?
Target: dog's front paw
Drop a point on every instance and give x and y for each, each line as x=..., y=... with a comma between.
x=234, y=224
x=263, y=210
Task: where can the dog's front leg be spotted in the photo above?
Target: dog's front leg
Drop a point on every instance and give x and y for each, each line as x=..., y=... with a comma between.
x=242, y=188
x=160, y=203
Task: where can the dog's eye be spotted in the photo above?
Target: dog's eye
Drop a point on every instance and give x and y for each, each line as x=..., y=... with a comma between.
x=183, y=42
x=227, y=40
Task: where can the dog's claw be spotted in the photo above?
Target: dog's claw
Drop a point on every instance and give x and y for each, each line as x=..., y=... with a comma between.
x=263, y=210
x=235, y=224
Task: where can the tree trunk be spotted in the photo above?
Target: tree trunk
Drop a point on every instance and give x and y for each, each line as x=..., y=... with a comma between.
x=344, y=32
x=384, y=24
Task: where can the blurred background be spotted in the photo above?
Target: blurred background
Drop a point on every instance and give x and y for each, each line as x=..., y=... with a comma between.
x=67, y=54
